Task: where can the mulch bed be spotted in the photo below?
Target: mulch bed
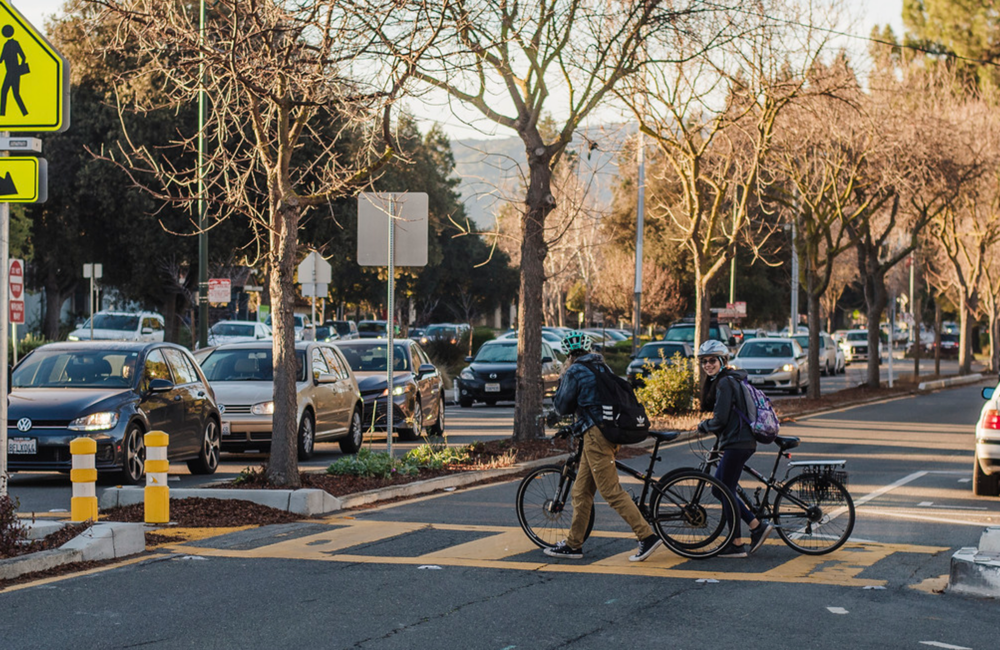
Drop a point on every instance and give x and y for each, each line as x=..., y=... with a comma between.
x=195, y=512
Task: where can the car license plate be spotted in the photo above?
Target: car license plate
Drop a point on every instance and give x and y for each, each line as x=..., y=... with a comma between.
x=492, y=388
x=756, y=380
x=22, y=446
x=227, y=429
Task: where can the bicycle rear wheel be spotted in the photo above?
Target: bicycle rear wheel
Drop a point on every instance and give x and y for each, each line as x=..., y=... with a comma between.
x=688, y=513
x=545, y=507
x=814, y=514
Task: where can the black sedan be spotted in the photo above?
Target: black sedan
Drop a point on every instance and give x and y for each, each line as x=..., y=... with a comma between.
x=113, y=392
x=652, y=355
x=417, y=386
x=492, y=374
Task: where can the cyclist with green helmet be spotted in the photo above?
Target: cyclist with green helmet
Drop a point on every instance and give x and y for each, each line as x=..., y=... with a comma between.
x=577, y=394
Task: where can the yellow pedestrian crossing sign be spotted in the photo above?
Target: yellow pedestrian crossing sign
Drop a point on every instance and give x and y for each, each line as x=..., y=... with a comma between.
x=34, y=78
x=23, y=180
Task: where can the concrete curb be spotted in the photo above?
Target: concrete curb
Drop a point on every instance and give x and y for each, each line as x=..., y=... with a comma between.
x=102, y=541
x=951, y=381
x=976, y=571
x=307, y=502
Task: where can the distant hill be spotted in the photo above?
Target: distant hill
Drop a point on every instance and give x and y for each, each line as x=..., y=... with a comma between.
x=490, y=170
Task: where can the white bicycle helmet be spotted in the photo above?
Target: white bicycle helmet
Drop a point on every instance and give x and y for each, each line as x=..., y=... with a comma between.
x=576, y=340
x=713, y=348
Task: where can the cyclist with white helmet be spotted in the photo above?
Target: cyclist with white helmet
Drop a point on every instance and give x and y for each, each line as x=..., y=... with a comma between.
x=721, y=392
x=577, y=394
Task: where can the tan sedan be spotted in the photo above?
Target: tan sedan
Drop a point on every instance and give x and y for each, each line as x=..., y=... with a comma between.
x=329, y=402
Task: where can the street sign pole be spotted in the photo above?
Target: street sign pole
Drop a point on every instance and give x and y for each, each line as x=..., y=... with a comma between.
x=391, y=330
x=4, y=316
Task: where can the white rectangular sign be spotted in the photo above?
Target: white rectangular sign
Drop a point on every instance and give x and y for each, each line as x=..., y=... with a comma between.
x=408, y=212
x=220, y=290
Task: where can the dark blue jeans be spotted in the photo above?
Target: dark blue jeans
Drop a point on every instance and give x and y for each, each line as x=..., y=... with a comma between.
x=728, y=471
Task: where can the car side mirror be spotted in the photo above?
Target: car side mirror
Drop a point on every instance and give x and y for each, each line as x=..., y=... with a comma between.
x=425, y=369
x=468, y=359
x=160, y=385
x=987, y=393
x=147, y=330
x=327, y=378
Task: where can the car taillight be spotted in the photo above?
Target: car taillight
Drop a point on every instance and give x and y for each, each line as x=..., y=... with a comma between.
x=991, y=419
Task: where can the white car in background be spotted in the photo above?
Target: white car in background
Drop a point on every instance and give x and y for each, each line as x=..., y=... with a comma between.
x=121, y=326
x=237, y=331
x=986, y=465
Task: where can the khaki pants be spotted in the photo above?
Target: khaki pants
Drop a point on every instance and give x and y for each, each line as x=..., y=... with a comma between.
x=597, y=471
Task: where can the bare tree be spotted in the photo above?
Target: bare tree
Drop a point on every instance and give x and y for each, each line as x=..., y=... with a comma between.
x=300, y=115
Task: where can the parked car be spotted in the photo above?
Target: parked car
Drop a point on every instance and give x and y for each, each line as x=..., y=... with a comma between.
x=301, y=324
x=346, y=329
x=374, y=329
x=325, y=333
x=329, y=402
x=452, y=333
x=553, y=339
x=120, y=326
x=855, y=346
x=613, y=335
x=683, y=332
x=986, y=463
x=237, y=331
x=492, y=374
x=778, y=363
x=654, y=354
x=832, y=359
x=949, y=346
x=417, y=386
x=115, y=393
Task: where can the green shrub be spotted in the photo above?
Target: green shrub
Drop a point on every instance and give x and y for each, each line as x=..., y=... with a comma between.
x=669, y=388
x=25, y=345
x=436, y=455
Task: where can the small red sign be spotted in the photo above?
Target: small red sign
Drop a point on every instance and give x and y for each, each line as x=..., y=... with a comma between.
x=17, y=312
x=16, y=279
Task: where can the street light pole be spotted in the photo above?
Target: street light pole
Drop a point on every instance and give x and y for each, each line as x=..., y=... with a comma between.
x=202, y=232
x=639, y=227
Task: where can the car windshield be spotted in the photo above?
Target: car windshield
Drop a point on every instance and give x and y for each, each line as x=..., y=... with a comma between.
x=765, y=349
x=857, y=336
x=343, y=327
x=372, y=326
x=250, y=364
x=372, y=357
x=803, y=341
x=655, y=351
x=233, y=329
x=76, y=369
x=497, y=353
x=121, y=322
x=685, y=333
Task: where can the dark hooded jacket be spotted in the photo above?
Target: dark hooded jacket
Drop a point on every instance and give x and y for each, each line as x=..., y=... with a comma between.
x=722, y=394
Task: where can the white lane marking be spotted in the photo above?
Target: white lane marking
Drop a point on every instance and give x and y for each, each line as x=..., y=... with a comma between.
x=836, y=610
x=707, y=581
x=961, y=507
x=432, y=567
x=938, y=644
x=888, y=488
x=907, y=515
x=965, y=480
x=924, y=504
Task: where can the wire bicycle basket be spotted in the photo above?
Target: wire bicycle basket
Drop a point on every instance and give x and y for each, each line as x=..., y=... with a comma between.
x=818, y=488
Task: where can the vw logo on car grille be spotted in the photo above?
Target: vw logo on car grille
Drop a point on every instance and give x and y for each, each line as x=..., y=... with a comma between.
x=222, y=408
x=493, y=375
x=24, y=424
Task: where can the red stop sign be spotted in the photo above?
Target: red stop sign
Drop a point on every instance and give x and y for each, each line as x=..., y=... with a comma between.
x=16, y=279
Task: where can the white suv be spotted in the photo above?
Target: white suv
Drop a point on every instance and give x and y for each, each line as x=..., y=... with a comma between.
x=986, y=469
x=121, y=326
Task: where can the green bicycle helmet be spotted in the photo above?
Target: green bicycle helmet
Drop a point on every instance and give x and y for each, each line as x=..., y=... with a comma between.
x=576, y=341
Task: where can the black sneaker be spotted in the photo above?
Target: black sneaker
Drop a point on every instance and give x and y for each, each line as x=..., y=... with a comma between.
x=563, y=550
x=646, y=548
x=759, y=534
x=734, y=550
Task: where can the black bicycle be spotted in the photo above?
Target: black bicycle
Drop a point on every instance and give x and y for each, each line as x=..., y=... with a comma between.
x=812, y=511
x=684, y=508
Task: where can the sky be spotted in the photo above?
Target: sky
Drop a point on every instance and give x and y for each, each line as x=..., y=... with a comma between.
x=866, y=13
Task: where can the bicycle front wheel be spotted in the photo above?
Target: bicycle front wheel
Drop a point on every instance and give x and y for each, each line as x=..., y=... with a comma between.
x=689, y=516
x=814, y=514
x=545, y=506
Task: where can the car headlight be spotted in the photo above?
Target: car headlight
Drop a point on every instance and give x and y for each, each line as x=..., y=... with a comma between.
x=788, y=367
x=95, y=422
x=398, y=390
x=263, y=408
x=467, y=374
x=72, y=337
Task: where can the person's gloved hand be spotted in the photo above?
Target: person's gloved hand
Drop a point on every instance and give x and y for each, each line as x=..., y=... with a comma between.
x=552, y=419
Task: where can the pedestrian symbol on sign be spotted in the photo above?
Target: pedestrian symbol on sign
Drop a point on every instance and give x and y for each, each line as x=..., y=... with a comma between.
x=15, y=66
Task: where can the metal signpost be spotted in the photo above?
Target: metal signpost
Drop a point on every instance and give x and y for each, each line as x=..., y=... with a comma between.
x=15, y=275
x=315, y=275
x=94, y=272
x=34, y=96
x=399, y=219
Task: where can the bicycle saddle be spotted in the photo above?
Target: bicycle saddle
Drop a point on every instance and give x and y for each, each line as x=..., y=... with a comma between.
x=664, y=436
x=786, y=442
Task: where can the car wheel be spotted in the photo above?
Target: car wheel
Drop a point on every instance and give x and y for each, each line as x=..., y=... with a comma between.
x=437, y=429
x=352, y=443
x=208, y=458
x=307, y=436
x=984, y=485
x=133, y=456
x=465, y=402
x=417, y=430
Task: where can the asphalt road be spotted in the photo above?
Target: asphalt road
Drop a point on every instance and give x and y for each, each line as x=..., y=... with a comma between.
x=453, y=570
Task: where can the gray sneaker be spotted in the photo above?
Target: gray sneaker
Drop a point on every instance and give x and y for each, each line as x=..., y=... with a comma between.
x=733, y=550
x=564, y=550
x=759, y=534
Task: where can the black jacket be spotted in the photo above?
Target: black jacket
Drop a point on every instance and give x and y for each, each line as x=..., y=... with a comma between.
x=725, y=424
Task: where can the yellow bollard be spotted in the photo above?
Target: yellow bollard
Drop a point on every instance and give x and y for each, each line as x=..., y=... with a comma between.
x=83, y=505
x=157, y=493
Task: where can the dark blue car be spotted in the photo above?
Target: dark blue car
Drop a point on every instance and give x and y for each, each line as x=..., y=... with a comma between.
x=113, y=392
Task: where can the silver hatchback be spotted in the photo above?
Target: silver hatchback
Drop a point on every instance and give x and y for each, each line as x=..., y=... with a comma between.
x=778, y=363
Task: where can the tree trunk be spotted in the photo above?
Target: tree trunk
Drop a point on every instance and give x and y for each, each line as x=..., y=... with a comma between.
x=814, y=323
x=876, y=299
x=937, y=337
x=702, y=315
x=994, y=352
x=170, y=318
x=53, y=306
x=283, y=468
x=965, y=339
x=528, y=406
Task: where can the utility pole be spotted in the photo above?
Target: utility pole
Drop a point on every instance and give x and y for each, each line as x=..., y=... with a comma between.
x=794, y=320
x=202, y=232
x=639, y=227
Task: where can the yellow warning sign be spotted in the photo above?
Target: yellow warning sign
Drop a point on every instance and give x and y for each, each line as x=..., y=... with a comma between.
x=34, y=78
x=23, y=180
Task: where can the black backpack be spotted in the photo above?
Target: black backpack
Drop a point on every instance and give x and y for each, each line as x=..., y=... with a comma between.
x=618, y=413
